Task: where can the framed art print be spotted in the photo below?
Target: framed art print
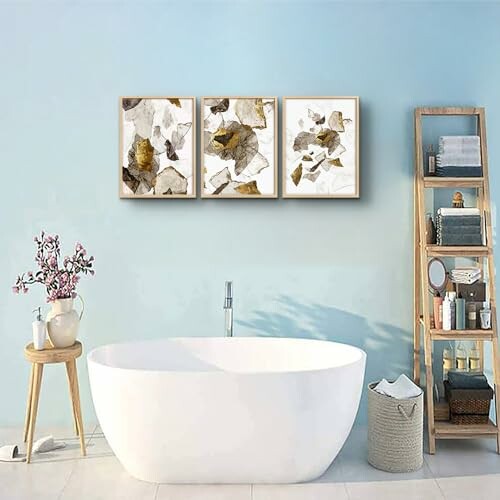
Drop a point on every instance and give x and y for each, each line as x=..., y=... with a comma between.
x=320, y=147
x=238, y=144
x=157, y=147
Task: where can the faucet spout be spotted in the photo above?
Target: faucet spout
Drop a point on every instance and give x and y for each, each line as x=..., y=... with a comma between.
x=228, y=309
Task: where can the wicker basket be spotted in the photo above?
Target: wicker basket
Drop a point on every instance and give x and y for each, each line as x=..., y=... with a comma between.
x=468, y=406
x=459, y=419
x=395, y=432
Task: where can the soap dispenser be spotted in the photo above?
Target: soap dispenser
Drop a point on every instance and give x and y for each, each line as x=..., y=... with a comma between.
x=39, y=331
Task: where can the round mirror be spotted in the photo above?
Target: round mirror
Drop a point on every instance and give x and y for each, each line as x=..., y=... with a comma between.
x=436, y=272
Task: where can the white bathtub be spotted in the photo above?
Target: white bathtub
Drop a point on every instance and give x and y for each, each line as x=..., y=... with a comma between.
x=226, y=410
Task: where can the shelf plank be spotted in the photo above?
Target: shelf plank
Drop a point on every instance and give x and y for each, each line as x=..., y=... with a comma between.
x=461, y=334
x=453, y=182
x=456, y=251
x=447, y=430
x=448, y=111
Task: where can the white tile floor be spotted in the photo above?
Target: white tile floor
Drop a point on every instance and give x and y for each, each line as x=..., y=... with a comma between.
x=460, y=470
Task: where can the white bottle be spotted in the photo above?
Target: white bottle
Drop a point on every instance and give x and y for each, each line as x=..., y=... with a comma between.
x=39, y=331
x=447, y=313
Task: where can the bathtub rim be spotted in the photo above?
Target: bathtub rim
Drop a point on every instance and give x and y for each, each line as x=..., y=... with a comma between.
x=90, y=358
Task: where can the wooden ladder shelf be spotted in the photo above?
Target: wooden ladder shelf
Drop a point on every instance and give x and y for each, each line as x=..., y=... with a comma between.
x=422, y=303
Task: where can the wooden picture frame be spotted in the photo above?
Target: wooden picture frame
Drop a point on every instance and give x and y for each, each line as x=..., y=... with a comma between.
x=232, y=169
x=163, y=135
x=307, y=141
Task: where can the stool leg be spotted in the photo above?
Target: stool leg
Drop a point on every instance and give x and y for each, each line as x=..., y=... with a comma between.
x=75, y=396
x=28, y=403
x=37, y=378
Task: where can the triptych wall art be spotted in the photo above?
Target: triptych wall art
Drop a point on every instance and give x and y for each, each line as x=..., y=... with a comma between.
x=238, y=139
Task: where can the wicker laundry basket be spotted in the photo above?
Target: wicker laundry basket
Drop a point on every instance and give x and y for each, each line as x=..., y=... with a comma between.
x=395, y=432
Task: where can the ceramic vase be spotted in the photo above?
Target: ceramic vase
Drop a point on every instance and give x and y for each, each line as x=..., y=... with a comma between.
x=63, y=322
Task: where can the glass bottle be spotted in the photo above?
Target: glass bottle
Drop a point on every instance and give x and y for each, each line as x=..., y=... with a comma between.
x=447, y=361
x=474, y=360
x=461, y=359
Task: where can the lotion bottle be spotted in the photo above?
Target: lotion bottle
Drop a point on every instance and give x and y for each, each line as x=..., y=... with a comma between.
x=438, y=320
x=39, y=331
x=460, y=312
x=447, y=313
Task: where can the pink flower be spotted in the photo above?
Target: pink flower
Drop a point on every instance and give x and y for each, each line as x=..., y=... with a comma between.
x=78, y=247
x=52, y=262
x=15, y=289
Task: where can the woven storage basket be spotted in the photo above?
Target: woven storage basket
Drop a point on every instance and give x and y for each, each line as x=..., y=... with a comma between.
x=395, y=432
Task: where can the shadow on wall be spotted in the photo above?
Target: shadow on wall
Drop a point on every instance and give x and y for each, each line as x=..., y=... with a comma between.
x=294, y=319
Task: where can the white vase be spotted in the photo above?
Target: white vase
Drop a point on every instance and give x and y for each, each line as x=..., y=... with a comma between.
x=63, y=322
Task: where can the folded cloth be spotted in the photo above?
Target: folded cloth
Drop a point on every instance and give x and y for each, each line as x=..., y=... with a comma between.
x=461, y=161
x=458, y=211
x=460, y=240
x=459, y=141
x=10, y=453
x=402, y=388
x=459, y=380
x=443, y=229
x=454, y=171
x=460, y=220
x=466, y=276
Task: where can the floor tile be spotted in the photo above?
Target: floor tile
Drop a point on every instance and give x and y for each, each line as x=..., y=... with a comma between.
x=37, y=480
x=464, y=457
x=103, y=478
x=310, y=491
x=414, y=489
x=484, y=487
x=204, y=492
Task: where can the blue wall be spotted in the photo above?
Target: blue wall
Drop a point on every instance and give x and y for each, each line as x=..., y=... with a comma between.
x=335, y=269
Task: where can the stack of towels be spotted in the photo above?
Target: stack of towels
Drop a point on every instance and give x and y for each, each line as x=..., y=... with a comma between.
x=459, y=156
x=459, y=226
x=465, y=275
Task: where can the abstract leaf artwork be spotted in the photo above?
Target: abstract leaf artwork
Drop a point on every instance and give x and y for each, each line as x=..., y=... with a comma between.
x=157, y=147
x=320, y=147
x=239, y=147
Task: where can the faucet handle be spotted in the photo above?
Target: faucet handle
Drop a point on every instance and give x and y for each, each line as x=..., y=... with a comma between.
x=229, y=289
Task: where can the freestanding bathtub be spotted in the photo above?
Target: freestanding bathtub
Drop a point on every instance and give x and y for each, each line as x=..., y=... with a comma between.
x=226, y=410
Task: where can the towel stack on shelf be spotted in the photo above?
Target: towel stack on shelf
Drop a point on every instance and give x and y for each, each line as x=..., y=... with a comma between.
x=465, y=275
x=459, y=156
x=459, y=226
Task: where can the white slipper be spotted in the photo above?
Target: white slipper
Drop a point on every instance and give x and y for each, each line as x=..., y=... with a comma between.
x=10, y=453
x=47, y=443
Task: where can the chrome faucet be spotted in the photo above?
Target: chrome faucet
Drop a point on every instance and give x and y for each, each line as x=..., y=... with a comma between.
x=228, y=309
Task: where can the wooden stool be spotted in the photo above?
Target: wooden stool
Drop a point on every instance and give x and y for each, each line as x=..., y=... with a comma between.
x=38, y=359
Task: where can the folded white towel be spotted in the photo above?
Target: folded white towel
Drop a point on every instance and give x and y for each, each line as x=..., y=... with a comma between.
x=459, y=140
x=458, y=159
x=458, y=211
x=402, y=388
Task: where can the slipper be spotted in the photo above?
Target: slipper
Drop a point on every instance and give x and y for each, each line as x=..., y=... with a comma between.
x=10, y=453
x=47, y=443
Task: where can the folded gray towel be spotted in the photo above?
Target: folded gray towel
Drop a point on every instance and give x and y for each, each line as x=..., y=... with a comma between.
x=460, y=380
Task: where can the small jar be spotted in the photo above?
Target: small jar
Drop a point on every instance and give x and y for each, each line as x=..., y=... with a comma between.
x=471, y=316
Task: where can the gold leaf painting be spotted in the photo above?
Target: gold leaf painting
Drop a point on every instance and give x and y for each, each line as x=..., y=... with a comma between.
x=157, y=147
x=239, y=147
x=321, y=147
